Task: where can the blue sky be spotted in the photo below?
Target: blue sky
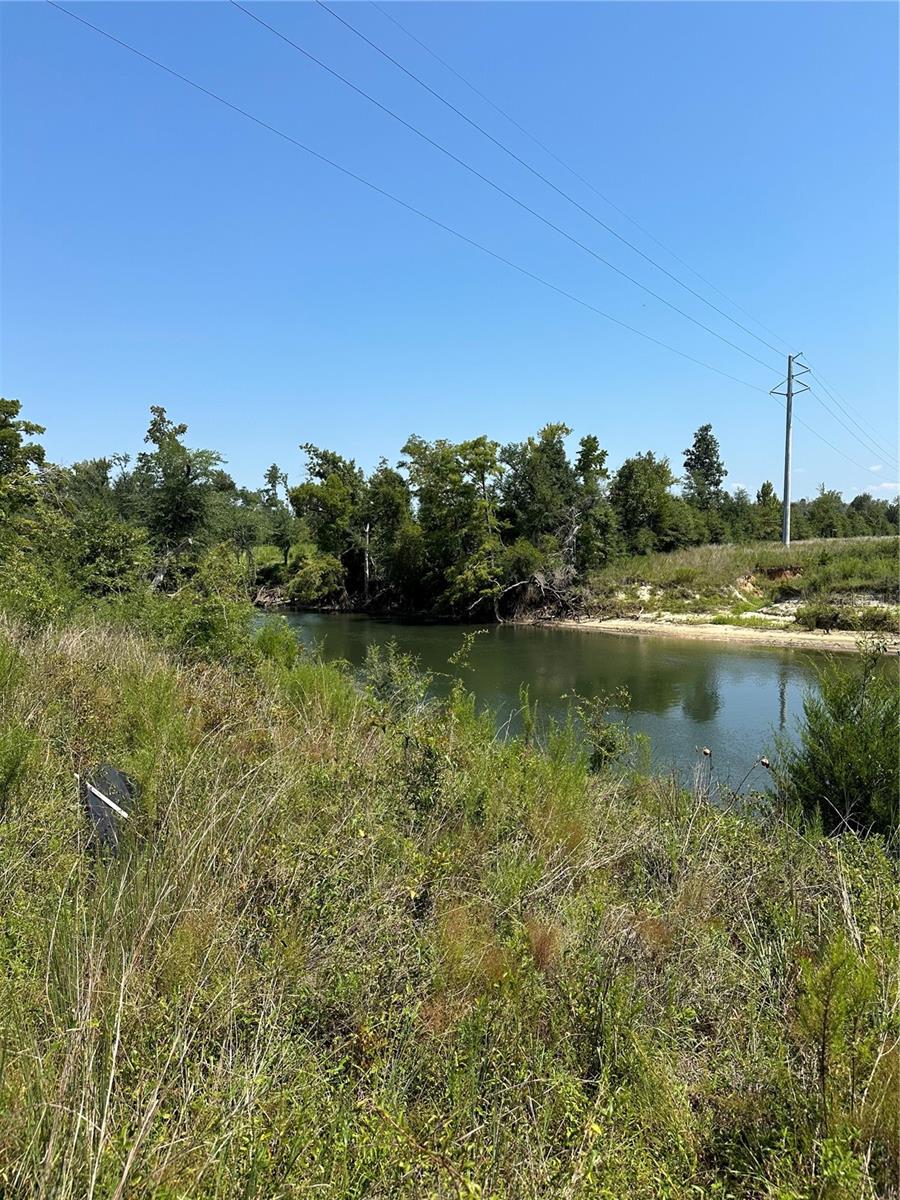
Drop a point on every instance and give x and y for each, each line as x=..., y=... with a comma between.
x=160, y=249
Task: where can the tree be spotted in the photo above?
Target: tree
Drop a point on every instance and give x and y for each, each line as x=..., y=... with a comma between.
x=332, y=502
x=540, y=485
x=844, y=767
x=704, y=470
x=17, y=454
x=558, y=505
x=868, y=516
x=476, y=575
x=90, y=483
x=457, y=506
x=388, y=512
x=640, y=496
x=598, y=534
x=737, y=514
x=767, y=514
x=826, y=515
x=19, y=490
x=444, y=499
x=173, y=483
x=283, y=528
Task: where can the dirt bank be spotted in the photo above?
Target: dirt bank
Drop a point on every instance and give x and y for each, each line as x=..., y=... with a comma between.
x=800, y=639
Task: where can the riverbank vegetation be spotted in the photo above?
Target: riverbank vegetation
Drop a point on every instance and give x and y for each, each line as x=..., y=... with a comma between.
x=467, y=530
x=847, y=584
x=356, y=946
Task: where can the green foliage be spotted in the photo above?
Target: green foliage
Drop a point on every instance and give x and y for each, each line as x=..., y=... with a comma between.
x=455, y=528
x=875, y=618
x=16, y=454
x=209, y=616
x=649, y=517
x=844, y=770
x=174, y=484
x=360, y=946
x=317, y=579
x=609, y=742
x=277, y=642
x=16, y=746
x=732, y=581
x=110, y=556
x=767, y=516
x=704, y=470
x=394, y=680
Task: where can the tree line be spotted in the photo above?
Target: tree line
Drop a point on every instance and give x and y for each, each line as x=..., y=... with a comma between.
x=472, y=527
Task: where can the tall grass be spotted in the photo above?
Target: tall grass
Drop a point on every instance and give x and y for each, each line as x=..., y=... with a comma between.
x=356, y=946
x=812, y=568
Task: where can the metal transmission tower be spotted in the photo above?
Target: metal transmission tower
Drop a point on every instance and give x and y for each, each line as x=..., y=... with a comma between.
x=791, y=386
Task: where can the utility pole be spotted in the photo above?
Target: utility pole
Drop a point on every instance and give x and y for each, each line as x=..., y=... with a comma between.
x=788, y=433
x=790, y=384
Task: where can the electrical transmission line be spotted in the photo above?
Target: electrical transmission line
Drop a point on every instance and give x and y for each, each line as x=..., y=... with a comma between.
x=374, y=187
x=547, y=150
x=350, y=174
x=873, y=435
x=496, y=186
x=872, y=446
x=576, y=174
x=539, y=175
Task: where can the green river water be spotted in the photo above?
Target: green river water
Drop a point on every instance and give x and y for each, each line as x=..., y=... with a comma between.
x=684, y=694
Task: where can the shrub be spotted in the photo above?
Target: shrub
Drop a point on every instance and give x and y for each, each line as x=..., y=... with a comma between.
x=276, y=641
x=874, y=618
x=844, y=767
x=394, y=680
x=608, y=742
x=319, y=578
x=208, y=617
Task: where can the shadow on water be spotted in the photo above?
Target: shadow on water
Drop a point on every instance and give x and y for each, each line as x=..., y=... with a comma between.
x=684, y=694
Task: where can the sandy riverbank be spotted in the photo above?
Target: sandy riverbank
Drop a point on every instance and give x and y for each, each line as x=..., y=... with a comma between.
x=800, y=639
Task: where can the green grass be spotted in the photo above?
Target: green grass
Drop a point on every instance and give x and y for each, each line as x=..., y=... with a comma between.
x=745, y=577
x=359, y=947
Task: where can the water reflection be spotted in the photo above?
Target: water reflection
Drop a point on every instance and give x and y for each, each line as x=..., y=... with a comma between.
x=683, y=694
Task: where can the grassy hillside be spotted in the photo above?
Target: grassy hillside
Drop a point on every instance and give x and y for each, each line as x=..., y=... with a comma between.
x=845, y=583
x=357, y=947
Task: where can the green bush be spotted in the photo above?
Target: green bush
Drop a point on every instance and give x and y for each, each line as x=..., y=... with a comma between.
x=394, y=680
x=276, y=641
x=844, y=768
x=872, y=618
x=317, y=580
x=208, y=617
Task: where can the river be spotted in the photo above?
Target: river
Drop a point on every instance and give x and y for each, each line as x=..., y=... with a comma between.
x=684, y=694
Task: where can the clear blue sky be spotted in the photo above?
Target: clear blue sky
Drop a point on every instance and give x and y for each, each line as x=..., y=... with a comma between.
x=160, y=249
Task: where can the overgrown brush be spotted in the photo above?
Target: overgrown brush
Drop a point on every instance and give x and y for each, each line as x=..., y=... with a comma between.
x=358, y=946
x=843, y=772
x=764, y=572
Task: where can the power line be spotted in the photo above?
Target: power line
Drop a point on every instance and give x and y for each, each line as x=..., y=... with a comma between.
x=496, y=186
x=836, y=398
x=871, y=448
x=350, y=174
x=539, y=175
x=547, y=150
x=581, y=178
x=402, y=203
x=831, y=445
